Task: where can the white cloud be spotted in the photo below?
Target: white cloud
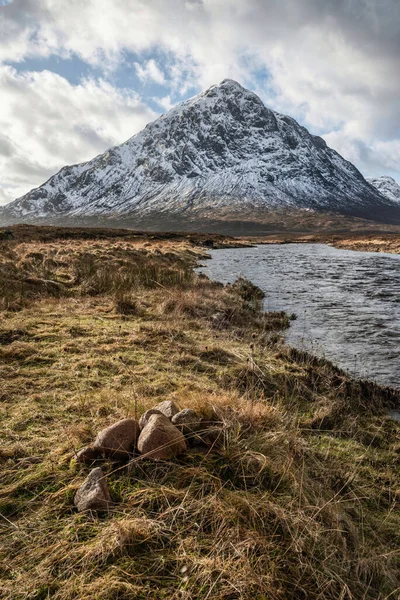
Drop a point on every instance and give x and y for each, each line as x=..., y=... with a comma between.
x=371, y=157
x=150, y=71
x=46, y=123
x=166, y=102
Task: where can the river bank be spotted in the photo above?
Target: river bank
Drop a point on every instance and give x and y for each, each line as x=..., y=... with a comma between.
x=380, y=242
x=300, y=498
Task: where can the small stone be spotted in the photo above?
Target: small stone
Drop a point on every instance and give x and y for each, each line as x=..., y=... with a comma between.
x=118, y=440
x=160, y=440
x=167, y=408
x=146, y=416
x=93, y=493
x=187, y=421
x=87, y=455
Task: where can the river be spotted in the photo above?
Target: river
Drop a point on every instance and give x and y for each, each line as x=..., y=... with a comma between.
x=347, y=303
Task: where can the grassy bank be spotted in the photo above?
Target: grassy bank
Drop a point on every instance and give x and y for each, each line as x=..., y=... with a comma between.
x=299, y=500
x=362, y=242
x=374, y=243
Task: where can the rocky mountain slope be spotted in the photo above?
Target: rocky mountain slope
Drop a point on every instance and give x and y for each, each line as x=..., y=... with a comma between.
x=387, y=186
x=220, y=155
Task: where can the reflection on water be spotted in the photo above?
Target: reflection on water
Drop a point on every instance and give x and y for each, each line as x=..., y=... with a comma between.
x=347, y=303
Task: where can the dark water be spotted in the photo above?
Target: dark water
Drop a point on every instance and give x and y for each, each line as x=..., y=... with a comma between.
x=347, y=303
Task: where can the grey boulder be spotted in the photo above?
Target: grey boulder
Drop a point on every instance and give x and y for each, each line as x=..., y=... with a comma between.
x=118, y=440
x=187, y=421
x=160, y=440
x=167, y=408
x=93, y=493
x=88, y=454
x=146, y=416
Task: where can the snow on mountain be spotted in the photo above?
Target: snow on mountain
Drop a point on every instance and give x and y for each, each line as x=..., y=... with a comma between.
x=221, y=152
x=387, y=186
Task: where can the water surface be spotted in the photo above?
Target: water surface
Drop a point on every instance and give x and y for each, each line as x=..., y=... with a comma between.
x=347, y=303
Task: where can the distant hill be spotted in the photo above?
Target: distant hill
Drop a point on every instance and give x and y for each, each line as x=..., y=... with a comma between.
x=387, y=186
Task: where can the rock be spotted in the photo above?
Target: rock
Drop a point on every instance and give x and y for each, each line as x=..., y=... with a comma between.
x=160, y=440
x=87, y=455
x=118, y=440
x=187, y=421
x=93, y=493
x=167, y=408
x=146, y=416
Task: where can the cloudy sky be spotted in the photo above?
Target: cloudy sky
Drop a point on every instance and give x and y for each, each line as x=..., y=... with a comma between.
x=77, y=76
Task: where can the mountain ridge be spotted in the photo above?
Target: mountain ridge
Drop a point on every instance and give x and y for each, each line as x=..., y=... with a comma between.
x=221, y=154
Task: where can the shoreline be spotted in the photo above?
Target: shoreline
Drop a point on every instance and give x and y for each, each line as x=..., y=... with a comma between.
x=360, y=241
x=385, y=243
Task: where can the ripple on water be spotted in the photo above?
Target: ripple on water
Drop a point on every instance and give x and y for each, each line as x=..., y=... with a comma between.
x=347, y=303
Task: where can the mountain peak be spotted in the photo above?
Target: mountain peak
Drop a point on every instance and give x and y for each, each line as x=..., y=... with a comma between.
x=227, y=89
x=231, y=83
x=230, y=86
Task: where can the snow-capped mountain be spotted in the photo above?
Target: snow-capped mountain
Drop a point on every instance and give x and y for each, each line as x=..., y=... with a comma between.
x=219, y=154
x=387, y=186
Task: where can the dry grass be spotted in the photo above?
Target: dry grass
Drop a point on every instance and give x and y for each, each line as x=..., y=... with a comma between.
x=301, y=499
x=362, y=242
x=84, y=268
x=377, y=243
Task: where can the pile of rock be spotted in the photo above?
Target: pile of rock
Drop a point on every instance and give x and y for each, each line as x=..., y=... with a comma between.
x=162, y=433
